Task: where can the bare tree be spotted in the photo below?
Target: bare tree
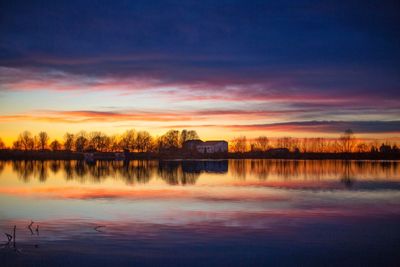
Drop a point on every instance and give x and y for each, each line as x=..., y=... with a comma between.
x=284, y=142
x=98, y=141
x=42, y=140
x=171, y=139
x=26, y=140
x=362, y=148
x=192, y=135
x=143, y=141
x=347, y=141
x=2, y=145
x=239, y=144
x=261, y=143
x=81, y=142
x=127, y=141
x=114, y=143
x=55, y=145
x=182, y=137
x=187, y=135
x=68, y=141
x=17, y=145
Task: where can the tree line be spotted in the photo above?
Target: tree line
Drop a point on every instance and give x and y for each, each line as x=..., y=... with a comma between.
x=173, y=140
x=131, y=140
x=345, y=143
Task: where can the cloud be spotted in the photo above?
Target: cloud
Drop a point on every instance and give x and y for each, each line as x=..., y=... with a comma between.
x=210, y=50
x=324, y=126
x=71, y=192
x=84, y=116
x=316, y=60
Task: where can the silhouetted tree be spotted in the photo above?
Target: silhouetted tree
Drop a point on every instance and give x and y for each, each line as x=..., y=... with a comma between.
x=114, y=143
x=187, y=135
x=261, y=143
x=55, y=145
x=384, y=148
x=347, y=141
x=42, y=140
x=68, y=141
x=81, y=142
x=170, y=140
x=239, y=144
x=362, y=148
x=143, y=141
x=285, y=142
x=26, y=140
x=128, y=140
x=17, y=145
x=2, y=145
x=98, y=141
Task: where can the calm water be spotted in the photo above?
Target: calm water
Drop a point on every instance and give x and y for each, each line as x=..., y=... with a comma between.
x=201, y=213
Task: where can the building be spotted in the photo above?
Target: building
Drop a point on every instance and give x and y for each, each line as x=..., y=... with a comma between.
x=199, y=146
x=192, y=144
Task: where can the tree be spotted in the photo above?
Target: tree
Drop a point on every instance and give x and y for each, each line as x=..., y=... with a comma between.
x=81, y=142
x=26, y=140
x=362, y=148
x=98, y=141
x=143, y=141
x=17, y=145
x=42, y=140
x=68, y=141
x=55, y=145
x=187, y=135
x=347, y=141
x=284, y=142
x=239, y=144
x=2, y=145
x=261, y=143
x=128, y=140
x=171, y=139
x=192, y=135
x=114, y=143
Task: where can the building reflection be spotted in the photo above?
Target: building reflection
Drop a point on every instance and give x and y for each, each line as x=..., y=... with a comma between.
x=187, y=172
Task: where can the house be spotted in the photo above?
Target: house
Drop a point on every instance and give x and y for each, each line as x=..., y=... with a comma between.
x=199, y=146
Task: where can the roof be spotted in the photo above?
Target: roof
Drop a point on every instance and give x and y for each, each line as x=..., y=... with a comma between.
x=193, y=141
x=214, y=142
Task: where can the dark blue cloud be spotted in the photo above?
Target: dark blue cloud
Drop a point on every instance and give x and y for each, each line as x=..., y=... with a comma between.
x=327, y=126
x=350, y=47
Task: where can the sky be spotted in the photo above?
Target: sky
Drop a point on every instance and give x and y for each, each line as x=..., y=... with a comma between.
x=223, y=68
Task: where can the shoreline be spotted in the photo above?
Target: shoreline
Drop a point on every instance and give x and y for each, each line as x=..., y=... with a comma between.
x=69, y=155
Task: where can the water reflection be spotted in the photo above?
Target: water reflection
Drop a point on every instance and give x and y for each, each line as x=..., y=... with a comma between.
x=313, y=169
x=234, y=211
x=188, y=172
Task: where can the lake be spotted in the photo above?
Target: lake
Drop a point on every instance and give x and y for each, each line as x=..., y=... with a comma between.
x=200, y=213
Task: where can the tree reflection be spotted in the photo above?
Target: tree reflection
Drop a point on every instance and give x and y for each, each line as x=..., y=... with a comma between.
x=348, y=175
x=55, y=166
x=312, y=169
x=2, y=164
x=188, y=172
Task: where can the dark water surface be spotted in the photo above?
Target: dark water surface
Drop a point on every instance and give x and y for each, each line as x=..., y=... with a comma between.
x=201, y=213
